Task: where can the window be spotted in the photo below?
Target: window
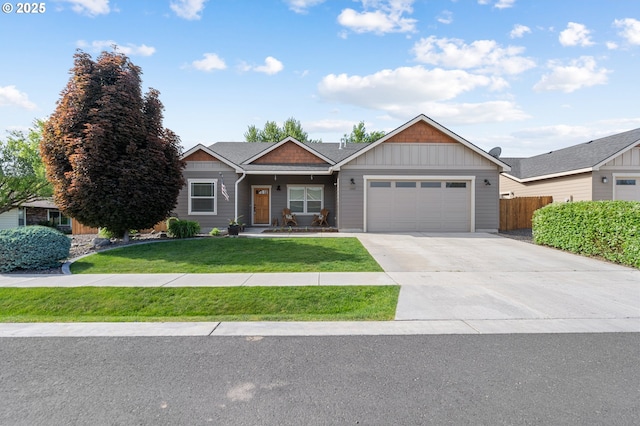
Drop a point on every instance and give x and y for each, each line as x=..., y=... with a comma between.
x=456, y=184
x=58, y=219
x=380, y=184
x=430, y=184
x=21, y=221
x=405, y=184
x=202, y=196
x=625, y=181
x=306, y=199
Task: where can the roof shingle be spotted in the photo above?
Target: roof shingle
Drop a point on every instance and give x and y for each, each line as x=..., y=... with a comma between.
x=577, y=157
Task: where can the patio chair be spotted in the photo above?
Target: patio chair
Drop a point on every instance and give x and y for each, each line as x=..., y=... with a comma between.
x=321, y=219
x=288, y=218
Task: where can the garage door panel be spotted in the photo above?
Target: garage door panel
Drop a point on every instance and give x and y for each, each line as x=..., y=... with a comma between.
x=429, y=206
x=627, y=188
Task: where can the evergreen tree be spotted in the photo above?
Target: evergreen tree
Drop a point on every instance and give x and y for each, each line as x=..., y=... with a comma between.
x=110, y=161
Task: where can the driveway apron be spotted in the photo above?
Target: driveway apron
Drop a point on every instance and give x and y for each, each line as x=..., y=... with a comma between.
x=484, y=279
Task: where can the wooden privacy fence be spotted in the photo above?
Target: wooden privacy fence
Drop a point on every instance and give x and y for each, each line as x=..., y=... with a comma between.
x=516, y=213
x=77, y=228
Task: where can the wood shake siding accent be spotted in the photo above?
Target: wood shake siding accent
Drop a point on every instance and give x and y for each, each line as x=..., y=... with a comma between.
x=421, y=132
x=289, y=153
x=574, y=187
x=200, y=156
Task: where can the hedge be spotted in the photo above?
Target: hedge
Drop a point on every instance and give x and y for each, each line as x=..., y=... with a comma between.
x=609, y=229
x=32, y=247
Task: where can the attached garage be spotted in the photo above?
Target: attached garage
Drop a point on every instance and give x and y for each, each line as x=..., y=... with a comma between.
x=626, y=187
x=419, y=204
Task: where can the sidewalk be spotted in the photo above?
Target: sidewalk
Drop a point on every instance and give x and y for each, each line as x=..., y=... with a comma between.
x=429, y=303
x=466, y=283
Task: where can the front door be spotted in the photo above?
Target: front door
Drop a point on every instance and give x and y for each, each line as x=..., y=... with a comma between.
x=261, y=208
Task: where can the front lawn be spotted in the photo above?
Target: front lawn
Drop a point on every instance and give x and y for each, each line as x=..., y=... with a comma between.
x=219, y=255
x=122, y=304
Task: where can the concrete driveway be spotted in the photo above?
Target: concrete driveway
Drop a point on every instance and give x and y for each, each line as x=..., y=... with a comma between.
x=484, y=279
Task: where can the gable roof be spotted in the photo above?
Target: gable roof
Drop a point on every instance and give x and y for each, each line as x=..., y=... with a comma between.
x=581, y=158
x=289, y=139
x=213, y=154
x=437, y=126
x=244, y=153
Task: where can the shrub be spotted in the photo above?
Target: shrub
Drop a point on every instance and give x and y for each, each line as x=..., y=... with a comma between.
x=610, y=229
x=32, y=247
x=215, y=232
x=182, y=228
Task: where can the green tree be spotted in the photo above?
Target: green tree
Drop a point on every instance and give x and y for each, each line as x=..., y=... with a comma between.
x=22, y=174
x=111, y=163
x=359, y=134
x=271, y=132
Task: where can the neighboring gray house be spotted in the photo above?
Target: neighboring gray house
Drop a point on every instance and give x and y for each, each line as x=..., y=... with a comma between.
x=419, y=177
x=35, y=213
x=603, y=169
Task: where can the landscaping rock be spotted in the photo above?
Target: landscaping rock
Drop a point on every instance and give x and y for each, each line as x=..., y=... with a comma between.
x=100, y=242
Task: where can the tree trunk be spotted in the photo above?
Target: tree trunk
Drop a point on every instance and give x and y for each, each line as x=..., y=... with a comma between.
x=125, y=237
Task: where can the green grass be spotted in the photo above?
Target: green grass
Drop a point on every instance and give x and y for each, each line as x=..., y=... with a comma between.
x=126, y=304
x=219, y=255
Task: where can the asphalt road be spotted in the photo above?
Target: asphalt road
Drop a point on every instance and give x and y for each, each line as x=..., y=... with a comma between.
x=568, y=379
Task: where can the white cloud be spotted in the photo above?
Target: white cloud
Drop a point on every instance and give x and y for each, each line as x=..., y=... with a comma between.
x=445, y=17
x=539, y=140
x=210, y=62
x=582, y=72
x=500, y=4
x=403, y=91
x=504, y=4
x=519, y=31
x=575, y=35
x=302, y=6
x=380, y=17
x=401, y=85
x=129, y=49
x=90, y=7
x=271, y=66
x=11, y=96
x=611, y=45
x=630, y=30
x=484, y=56
x=188, y=9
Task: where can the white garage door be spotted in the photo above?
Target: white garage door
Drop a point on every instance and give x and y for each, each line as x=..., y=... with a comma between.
x=627, y=188
x=419, y=205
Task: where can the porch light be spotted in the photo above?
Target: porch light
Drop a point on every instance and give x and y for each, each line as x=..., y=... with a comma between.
x=604, y=179
x=278, y=188
x=486, y=182
x=353, y=181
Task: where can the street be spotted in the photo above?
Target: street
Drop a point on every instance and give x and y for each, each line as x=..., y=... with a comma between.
x=547, y=379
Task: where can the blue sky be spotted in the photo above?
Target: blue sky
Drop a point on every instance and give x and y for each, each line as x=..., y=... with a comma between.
x=526, y=75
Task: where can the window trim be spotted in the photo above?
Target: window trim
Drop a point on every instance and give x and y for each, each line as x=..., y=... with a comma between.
x=305, y=211
x=60, y=215
x=215, y=197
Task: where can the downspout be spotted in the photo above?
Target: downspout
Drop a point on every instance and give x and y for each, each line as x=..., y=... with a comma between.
x=244, y=174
